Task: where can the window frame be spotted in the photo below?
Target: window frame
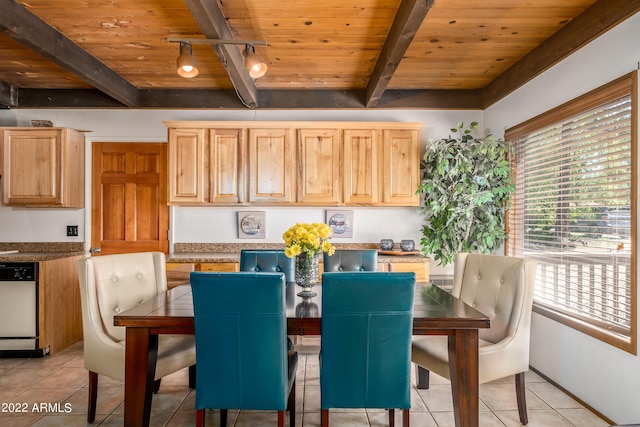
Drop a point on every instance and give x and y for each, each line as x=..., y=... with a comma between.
x=623, y=86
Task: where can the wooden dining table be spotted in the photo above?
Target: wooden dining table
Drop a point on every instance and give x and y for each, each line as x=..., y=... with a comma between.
x=435, y=312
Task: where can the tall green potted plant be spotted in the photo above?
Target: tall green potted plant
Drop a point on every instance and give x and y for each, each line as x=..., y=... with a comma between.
x=466, y=188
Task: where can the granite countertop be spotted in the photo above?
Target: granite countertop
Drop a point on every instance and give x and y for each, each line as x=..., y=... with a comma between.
x=212, y=253
x=36, y=252
x=204, y=257
x=36, y=256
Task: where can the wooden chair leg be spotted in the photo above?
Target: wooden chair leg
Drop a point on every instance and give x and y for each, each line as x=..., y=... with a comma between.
x=93, y=396
x=280, y=418
x=422, y=378
x=522, y=398
x=192, y=376
x=324, y=418
x=223, y=417
x=200, y=417
x=291, y=405
x=156, y=386
x=405, y=418
x=392, y=417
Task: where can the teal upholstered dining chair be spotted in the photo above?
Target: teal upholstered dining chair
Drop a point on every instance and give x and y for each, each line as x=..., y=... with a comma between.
x=351, y=260
x=241, y=350
x=365, y=350
x=267, y=260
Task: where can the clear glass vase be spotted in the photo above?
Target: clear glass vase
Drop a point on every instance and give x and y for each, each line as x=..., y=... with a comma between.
x=307, y=273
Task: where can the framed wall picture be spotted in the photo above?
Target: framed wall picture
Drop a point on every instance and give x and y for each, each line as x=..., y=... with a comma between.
x=341, y=222
x=252, y=225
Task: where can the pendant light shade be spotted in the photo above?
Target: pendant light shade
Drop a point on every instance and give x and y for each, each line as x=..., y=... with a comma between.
x=187, y=64
x=252, y=62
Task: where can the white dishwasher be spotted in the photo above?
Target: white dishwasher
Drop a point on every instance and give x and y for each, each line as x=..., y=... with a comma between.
x=19, y=309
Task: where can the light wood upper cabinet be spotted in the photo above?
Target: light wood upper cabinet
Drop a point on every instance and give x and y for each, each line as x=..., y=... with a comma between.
x=400, y=167
x=271, y=166
x=319, y=166
x=360, y=149
x=43, y=167
x=294, y=163
x=187, y=164
x=226, y=165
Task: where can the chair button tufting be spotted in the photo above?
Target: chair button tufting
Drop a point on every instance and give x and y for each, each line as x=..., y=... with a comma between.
x=117, y=309
x=361, y=268
x=339, y=268
x=278, y=269
x=496, y=311
x=474, y=305
x=139, y=276
x=501, y=280
x=479, y=277
x=114, y=278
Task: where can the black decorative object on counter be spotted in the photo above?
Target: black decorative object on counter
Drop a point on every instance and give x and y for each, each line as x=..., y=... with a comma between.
x=386, y=244
x=407, y=245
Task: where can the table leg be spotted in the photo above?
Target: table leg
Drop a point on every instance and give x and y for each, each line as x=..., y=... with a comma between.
x=463, y=365
x=140, y=368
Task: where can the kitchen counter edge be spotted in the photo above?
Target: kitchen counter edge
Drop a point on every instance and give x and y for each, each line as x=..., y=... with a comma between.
x=37, y=256
x=195, y=257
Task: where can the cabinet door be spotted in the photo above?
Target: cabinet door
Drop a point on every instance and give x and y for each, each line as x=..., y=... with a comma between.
x=186, y=166
x=218, y=266
x=400, y=167
x=179, y=273
x=270, y=166
x=420, y=268
x=32, y=167
x=226, y=160
x=360, y=174
x=319, y=179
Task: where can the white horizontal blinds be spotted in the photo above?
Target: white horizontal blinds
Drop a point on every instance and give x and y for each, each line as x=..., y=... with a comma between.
x=572, y=210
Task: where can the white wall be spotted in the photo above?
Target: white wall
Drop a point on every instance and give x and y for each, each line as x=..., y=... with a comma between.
x=204, y=224
x=604, y=377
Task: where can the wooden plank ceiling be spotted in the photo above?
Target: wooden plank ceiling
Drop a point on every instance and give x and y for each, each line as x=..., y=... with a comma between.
x=330, y=54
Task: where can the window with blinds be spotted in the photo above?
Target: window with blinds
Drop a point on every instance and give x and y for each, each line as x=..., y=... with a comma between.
x=574, y=210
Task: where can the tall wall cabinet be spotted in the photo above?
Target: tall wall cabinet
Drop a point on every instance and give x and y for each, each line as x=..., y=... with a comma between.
x=42, y=167
x=294, y=163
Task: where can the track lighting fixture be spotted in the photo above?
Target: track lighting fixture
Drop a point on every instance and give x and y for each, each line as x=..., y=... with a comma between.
x=252, y=62
x=187, y=64
x=188, y=67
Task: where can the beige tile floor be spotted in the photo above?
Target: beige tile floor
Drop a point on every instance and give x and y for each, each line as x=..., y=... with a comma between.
x=52, y=391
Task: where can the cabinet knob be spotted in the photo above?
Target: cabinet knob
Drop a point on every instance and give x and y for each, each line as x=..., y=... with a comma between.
x=95, y=250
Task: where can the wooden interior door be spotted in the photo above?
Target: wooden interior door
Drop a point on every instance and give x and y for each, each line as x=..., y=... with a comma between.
x=129, y=211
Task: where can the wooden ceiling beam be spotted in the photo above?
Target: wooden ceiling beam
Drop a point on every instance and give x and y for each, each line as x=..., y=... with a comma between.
x=596, y=20
x=8, y=94
x=405, y=25
x=66, y=98
x=26, y=28
x=269, y=99
x=432, y=99
x=214, y=26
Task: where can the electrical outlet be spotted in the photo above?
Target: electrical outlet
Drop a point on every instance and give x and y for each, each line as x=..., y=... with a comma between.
x=72, y=230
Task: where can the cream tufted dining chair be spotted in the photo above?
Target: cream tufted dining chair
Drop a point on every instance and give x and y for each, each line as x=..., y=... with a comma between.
x=502, y=288
x=111, y=284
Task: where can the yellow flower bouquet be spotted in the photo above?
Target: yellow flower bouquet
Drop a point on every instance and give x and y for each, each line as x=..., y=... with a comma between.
x=304, y=242
x=308, y=238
